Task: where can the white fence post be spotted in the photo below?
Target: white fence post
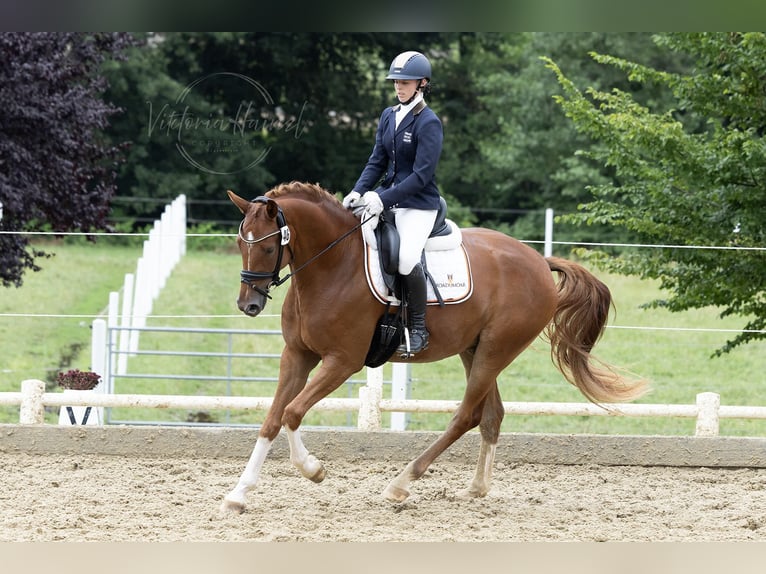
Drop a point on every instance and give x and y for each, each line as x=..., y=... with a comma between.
x=180, y=226
x=370, y=396
x=112, y=338
x=31, y=410
x=141, y=300
x=708, y=419
x=161, y=251
x=98, y=362
x=400, y=390
x=548, y=250
x=125, y=324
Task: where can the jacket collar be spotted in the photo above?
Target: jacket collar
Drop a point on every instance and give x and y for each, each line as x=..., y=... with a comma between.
x=417, y=108
x=410, y=117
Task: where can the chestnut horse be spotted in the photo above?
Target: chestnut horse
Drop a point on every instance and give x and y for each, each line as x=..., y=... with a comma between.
x=330, y=315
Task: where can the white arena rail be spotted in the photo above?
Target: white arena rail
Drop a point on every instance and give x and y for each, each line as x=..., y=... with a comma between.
x=708, y=411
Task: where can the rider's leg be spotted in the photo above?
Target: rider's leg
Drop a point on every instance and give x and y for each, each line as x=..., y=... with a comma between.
x=414, y=226
x=415, y=284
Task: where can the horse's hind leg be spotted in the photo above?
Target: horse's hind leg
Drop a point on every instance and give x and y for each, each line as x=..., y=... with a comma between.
x=467, y=416
x=491, y=419
x=464, y=419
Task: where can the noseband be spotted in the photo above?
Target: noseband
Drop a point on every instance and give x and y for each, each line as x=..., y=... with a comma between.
x=249, y=277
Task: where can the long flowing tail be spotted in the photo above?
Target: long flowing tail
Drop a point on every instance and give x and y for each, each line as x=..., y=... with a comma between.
x=579, y=322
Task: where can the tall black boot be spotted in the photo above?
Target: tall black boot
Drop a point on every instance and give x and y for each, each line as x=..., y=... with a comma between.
x=415, y=284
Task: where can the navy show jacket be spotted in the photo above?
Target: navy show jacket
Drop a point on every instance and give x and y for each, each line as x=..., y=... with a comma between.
x=407, y=156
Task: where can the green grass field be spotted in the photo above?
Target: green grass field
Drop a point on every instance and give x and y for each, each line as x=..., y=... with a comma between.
x=78, y=280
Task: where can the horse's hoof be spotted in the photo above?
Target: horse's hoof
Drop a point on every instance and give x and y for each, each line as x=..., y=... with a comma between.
x=470, y=494
x=311, y=468
x=395, y=494
x=318, y=476
x=232, y=507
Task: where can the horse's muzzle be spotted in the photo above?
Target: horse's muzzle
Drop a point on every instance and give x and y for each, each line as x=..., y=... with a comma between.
x=251, y=309
x=251, y=303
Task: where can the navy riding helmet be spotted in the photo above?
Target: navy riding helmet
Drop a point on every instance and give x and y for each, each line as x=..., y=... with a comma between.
x=409, y=66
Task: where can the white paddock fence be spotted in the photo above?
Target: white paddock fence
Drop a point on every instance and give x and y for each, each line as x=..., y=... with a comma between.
x=163, y=249
x=370, y=405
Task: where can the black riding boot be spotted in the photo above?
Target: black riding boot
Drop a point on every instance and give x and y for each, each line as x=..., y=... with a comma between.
x=415, y=284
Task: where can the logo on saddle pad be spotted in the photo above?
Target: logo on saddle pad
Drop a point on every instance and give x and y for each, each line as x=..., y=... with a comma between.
x=446, y=260
x=450, y=283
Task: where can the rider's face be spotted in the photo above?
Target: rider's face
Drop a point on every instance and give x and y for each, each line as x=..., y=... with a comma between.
x=405, y=89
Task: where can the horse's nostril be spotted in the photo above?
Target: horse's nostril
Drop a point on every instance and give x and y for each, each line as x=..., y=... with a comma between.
x=252, y=309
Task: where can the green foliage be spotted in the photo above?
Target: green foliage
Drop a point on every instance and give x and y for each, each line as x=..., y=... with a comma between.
x=313, y=113
x=687, y=176
x=530, y=152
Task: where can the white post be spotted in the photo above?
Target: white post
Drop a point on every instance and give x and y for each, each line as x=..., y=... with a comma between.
x=125, y=323
x=114, y=309
x=707, y=417
x=164, y=250
x=152, y=249
x=400, y=390
x=182, y=224
x=370, y=396
x=141, y=301
x=112, y=338
x=31, y=410
x=548, y=232
x=98, y=362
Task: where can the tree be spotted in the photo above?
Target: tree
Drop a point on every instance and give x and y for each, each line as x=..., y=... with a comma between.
x=328, y=88
x=691, y=177
x=56, y=172
x=529, y=153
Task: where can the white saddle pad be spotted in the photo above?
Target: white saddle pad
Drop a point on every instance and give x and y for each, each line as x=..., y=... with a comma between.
x=447, y=262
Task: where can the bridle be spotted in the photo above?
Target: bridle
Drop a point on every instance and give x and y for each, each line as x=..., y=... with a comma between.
x=249, y=277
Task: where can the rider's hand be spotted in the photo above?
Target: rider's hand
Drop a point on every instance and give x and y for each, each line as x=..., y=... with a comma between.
x=351, y=199
x=370, y=205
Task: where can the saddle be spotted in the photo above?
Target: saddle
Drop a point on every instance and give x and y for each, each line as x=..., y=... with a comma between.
x=389, y=332
x=387, y=240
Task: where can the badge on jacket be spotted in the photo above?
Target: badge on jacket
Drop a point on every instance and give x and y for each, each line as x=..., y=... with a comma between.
x=407, y=137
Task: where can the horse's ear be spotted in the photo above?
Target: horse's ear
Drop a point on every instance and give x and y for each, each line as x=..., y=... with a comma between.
x=272, y=209
x=241, y=203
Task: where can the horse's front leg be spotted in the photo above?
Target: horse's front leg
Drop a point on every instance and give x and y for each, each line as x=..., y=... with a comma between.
x=236, y=500
x=293, y=373
x=309, y=465
x=330, y=376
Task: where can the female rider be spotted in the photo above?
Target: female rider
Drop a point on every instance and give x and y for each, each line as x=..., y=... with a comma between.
x=407, y=147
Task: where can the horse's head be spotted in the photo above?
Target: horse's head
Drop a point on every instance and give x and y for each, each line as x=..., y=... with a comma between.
x=263, y=235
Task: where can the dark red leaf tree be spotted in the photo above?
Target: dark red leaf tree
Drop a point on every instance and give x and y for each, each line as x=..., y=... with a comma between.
x=56, y=171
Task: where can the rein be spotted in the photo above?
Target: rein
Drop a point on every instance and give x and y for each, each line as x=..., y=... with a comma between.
x=248, y=277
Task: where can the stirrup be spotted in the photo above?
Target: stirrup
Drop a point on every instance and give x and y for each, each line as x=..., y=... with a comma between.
x=405, y=350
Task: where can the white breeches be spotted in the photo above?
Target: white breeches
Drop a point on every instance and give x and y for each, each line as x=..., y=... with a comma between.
x=414, y=227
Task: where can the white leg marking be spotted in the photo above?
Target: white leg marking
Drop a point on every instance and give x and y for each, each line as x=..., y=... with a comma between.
x=309, y=465
x=482, y=480
x=398, y=489
x=236, y=499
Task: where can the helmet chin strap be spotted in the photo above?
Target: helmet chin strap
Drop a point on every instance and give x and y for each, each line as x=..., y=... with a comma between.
x=412, y=98
x=415, y=94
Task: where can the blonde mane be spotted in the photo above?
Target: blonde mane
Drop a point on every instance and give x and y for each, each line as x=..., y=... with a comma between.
x=311, y=191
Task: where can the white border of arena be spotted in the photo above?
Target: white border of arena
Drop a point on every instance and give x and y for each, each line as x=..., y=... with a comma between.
x=370, y=405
